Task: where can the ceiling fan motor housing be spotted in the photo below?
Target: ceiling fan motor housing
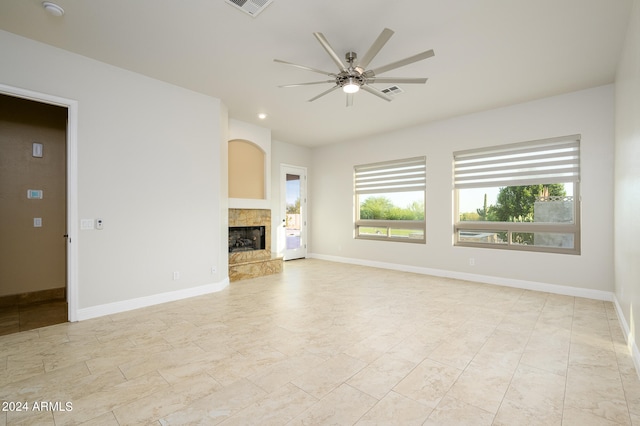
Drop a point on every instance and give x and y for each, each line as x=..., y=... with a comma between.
x=349, y=78
x=352, y=75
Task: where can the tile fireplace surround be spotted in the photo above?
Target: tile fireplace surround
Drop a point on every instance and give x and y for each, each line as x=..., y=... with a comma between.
x=254, y=263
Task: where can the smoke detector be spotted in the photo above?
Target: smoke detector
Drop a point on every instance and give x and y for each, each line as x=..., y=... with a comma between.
x=52, y=8
x=251, y=7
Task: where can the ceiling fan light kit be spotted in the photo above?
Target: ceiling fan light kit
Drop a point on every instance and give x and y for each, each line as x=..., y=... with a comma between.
x=350, y=87
x=353, y=74
x=351, y=84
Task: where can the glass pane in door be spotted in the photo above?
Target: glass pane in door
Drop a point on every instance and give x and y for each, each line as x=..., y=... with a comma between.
x=293, y=218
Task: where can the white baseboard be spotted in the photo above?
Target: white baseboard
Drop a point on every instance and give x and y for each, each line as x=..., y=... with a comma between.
x=143, y=302
x=485, y=279
x=628, y=335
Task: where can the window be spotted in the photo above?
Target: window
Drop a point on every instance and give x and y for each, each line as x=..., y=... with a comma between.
x=390, y=200
x=521, y=196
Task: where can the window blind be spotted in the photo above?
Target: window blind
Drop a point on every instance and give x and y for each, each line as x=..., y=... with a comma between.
x=391, y=176
x=545, y=161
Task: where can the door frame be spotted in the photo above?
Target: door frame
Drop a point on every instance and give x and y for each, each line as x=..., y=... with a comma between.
x=72, y=184
x=302, y=171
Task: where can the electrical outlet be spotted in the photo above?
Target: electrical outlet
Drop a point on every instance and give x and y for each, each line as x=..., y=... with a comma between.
x=176, y=275
x=472, y=261
x=214, y=270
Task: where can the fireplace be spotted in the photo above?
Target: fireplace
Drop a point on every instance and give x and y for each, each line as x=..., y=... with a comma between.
x=250, y=244
x=246, y=238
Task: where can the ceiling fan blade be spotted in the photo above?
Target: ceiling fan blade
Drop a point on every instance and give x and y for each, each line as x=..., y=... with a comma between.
x=382, y=39
x=349, y=99
x=304, y=67
x=397, y=80
x=401, y=63
x=375, y=92
x=308, y=84
x=323, y=41
x=324, y=93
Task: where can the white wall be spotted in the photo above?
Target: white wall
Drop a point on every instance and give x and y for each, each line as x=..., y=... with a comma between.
x=149, y=161
x=627, y=182
x=588, y=112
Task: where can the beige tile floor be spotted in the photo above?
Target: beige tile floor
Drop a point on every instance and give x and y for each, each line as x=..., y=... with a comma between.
x=327, y=343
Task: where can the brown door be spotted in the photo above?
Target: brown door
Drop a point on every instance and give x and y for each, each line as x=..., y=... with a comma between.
x=32, y=213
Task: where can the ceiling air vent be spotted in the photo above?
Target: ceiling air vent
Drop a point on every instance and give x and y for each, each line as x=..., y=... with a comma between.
x=392, y=91
x=252, y=7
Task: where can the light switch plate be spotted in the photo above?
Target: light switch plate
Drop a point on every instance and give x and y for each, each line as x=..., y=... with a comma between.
x=86, y=224
x=37, y=150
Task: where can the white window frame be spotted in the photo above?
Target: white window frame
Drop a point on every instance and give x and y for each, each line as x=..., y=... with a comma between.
x=545, y=161
x=404, y=175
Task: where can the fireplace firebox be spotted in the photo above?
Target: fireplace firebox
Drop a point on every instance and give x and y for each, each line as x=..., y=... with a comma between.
x=246, y=238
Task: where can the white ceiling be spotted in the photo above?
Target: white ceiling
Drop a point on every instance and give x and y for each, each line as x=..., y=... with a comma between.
x=488, y=53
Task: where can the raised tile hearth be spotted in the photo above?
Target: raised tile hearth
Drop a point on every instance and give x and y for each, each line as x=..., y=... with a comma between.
x=250, y=262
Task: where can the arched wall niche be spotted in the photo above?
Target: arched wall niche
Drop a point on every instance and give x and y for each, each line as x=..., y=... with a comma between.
x=246, y=170
x=258, y=140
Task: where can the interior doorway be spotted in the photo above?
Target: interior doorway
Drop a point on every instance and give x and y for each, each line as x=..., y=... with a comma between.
x=294, y=210
x=33, y=214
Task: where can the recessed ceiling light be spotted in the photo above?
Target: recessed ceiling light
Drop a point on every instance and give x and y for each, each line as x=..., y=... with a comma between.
x=53, y=8
x=262, y=116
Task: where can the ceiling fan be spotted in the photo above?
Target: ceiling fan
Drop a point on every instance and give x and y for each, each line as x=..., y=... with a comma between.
x=354, y=75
